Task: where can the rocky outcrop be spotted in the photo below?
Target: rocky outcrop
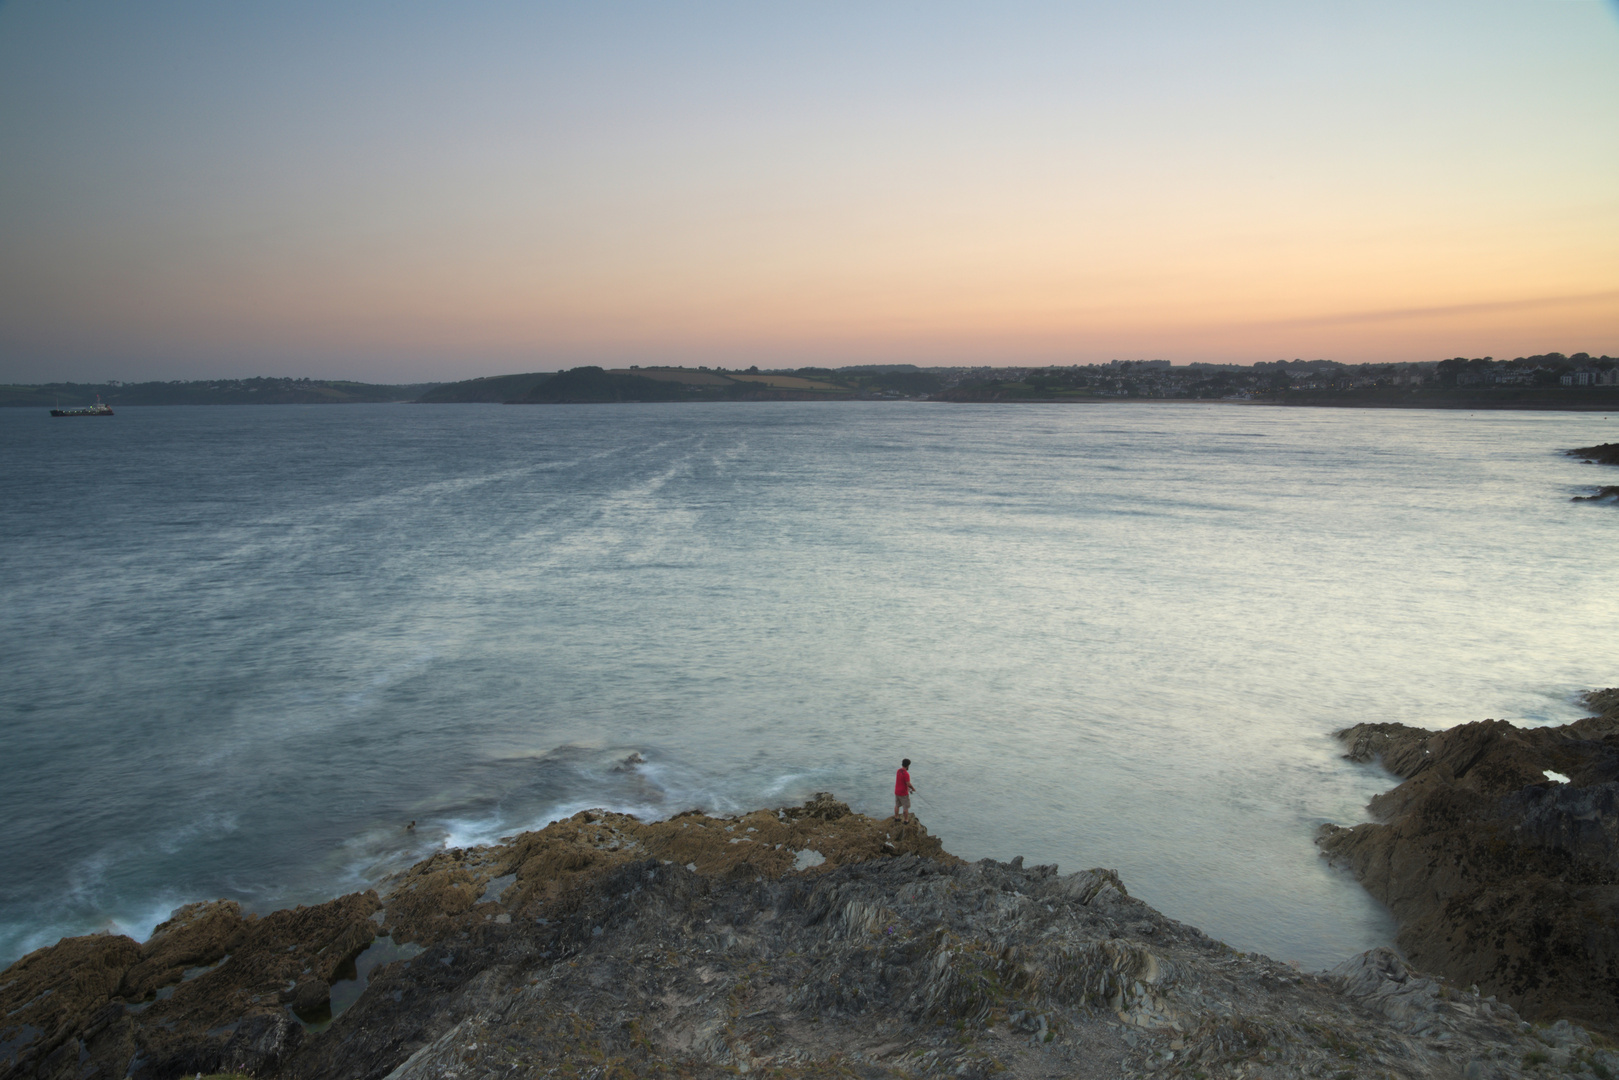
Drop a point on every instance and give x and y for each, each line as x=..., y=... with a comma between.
x=54, y=999
x=209, y=990
x=456, y=888
x=189, y=1020
x=892, y=967
x=806, y=941
x=1602, y=454
x=215, y=989
x=1499, y=857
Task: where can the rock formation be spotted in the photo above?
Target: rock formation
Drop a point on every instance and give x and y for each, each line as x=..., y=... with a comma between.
x=1499, y=857
x=1603, y=454
x=806, y=941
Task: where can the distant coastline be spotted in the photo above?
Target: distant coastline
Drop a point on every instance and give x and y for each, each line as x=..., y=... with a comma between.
x=256, y=391
x=1551, y=381
x=1552, y=398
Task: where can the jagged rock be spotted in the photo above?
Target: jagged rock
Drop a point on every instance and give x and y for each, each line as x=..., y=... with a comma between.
x=898, y=966
x=311, y=997
x=1398, y=745
x=692, y=947
x=260, y=1044
x=1498, y=874
x=96, y=1007
x=446, y=893
x=824, y=807
x=235, y=1014
x=53, y=998
x=195, y=935
x=1603, y=453
x=1383, y=981
x=1099, y=887
x=1601, y=702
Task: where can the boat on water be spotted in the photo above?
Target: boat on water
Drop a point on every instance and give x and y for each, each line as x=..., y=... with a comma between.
x=100, y=408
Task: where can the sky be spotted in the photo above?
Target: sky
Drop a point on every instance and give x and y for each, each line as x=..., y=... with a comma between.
x=409, y=191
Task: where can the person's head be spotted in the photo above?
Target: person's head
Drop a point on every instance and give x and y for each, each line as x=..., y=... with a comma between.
x=906, y=764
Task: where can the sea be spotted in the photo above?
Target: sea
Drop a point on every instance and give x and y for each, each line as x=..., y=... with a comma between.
x=242, y=648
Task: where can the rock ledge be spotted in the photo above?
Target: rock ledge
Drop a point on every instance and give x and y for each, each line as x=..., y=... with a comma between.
x=604, y=946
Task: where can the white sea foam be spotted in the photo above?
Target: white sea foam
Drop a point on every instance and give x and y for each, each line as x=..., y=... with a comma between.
x=139, y=924
x=467, y=834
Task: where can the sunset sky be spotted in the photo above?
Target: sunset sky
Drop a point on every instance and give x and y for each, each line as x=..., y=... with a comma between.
x=406, y=191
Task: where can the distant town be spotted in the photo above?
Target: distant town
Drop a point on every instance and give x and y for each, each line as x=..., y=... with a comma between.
x=1158, y=378
x=1525, y=382
x=1547, y=381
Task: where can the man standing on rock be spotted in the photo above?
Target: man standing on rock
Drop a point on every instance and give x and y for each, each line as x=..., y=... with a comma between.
x=902, y=791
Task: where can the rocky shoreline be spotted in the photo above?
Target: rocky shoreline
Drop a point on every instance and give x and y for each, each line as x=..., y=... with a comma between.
x=1499, y=857
x=1602, y=454
x=806, y=941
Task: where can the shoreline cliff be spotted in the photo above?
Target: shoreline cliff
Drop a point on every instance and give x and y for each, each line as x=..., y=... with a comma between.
x=799, y=942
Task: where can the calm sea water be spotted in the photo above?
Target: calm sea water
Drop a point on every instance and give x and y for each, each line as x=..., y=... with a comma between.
x=241, y=647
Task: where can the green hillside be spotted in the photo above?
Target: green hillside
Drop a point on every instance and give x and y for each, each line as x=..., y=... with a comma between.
x=257, y=391
x=494, y=388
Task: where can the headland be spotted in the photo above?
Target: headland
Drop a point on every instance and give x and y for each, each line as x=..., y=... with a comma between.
x=798, y=942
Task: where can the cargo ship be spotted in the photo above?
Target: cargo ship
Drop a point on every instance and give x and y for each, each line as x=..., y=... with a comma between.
x=100, y=408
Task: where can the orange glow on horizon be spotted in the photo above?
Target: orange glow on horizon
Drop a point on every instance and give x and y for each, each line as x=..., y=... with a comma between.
x=975, y=195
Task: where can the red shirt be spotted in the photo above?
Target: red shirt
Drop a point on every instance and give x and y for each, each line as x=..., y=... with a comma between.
x=902, y=783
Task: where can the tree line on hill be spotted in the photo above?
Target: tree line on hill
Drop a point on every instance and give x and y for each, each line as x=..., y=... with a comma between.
x=1526, y=381
x=591, y=384
x=254, y=391
x=1512, y=383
